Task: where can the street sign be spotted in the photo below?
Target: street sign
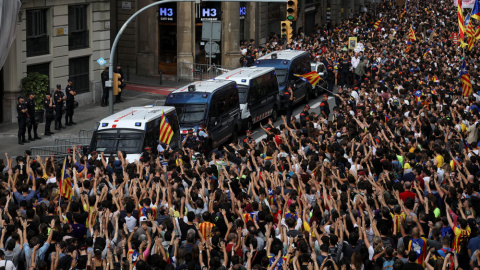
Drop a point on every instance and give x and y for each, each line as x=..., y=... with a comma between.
x=210, y=56
x=211, y=30
x=101, y=61
x=212, y=47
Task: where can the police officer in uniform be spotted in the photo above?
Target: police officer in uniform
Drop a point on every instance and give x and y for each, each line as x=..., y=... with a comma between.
x=190, y=140
x=22, y=120
x=58, y=98
x=330, y=78
x=345, y=66
x=289, y=99
x=324, y=107
x=49, y=106
x=105, y=89
x=70, y=101
x=32, y=123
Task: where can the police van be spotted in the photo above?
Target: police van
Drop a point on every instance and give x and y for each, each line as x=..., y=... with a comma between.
x=258, y=93
x=212, y=103
x=287, y=63
x=132, y=130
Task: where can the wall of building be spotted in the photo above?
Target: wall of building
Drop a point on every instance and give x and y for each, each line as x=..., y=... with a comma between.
x=15, y=68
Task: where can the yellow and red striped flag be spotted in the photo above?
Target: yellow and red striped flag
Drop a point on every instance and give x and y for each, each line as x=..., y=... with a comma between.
x=409, y=43
x=377, y=24
x=66, y=190
x=461, y=20
x=312, y=77
x=166, y=131
x=411, y=34
x=404, y=10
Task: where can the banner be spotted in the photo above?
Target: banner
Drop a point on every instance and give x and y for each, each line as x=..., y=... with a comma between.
x=352, y=43
x=8, y=20
x=465, y=3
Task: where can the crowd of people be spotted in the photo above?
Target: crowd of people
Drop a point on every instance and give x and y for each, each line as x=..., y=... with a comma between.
x=387, y=180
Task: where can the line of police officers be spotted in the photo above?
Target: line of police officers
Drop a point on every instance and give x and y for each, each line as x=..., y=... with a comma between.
x=26, y=112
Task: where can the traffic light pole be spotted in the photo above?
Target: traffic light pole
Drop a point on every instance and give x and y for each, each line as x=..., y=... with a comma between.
x=124, y=26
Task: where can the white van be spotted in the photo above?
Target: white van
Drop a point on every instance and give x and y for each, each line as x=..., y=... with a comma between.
x=258, y=93
x=132, y=130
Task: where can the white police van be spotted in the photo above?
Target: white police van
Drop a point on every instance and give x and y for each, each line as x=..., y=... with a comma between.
x=258, y=93
x=132, y=130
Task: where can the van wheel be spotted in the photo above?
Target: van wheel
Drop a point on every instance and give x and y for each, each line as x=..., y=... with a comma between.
x=306, y=99
x=235, y=135
x=274, y=115
x=249, y=124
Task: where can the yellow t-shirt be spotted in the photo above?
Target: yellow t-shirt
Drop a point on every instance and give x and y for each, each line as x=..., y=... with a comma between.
x=440, y=161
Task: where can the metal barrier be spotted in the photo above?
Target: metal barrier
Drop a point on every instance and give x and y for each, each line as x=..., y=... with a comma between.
x=73, y=141
x=199, y=72
x=58, y=152
x=86, y=133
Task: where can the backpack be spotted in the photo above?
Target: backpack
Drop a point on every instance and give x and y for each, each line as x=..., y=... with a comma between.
x=388, y=265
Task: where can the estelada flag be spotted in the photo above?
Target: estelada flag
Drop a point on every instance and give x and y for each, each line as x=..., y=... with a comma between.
x=166, y=131
x=409, y=43
x=426, y=52
x=411, y=34
x=418, y=94
x=476, y=10
x=461, y=19
x=465, y=79
x=404, y=10
x=312, y=77
x=377, y=24
x=66, y=189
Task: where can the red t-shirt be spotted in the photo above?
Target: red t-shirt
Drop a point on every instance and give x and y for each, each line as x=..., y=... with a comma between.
x=407, y=194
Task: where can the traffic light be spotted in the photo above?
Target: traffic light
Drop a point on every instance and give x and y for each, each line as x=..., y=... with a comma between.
x=292, y=10
x=116, y=84
x=287, y=30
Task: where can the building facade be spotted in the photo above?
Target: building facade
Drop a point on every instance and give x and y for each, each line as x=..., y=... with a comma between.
x=61, y=39
x=168, y=38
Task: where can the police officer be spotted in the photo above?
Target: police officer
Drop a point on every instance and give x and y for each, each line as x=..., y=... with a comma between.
x=289, y=102
x=324, y=107
x=31, y=123
x=190, y=140
x=22, y=120
x=70, y=101
x=49, y=106
x=122, y=80
x=105, y=89
x=58, y=98
x=345, y=66
x=304, y=114
x=330, y=78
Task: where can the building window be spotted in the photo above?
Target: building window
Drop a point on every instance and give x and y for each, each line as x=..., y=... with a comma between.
x=37, y=36
x=77, y=27
x=79, y=73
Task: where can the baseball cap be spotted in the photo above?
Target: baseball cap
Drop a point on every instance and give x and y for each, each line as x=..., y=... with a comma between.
x=249, y=131
x=143, y=219
x=59, y=86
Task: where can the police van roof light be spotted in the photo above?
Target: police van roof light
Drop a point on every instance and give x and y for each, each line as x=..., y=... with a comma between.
x=138, y=124
x=104, y=124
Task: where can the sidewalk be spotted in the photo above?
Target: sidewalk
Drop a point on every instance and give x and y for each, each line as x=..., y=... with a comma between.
x=85, y=116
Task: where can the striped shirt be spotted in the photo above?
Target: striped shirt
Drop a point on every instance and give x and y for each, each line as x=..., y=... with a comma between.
x=206, y=229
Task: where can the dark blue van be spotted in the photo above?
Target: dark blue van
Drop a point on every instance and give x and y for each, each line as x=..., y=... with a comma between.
x=213, y=103
x=287, y=63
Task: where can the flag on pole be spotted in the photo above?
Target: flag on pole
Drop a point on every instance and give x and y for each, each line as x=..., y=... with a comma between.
x=477, y=33
x=476, y=10
x=409, y=43
x=471, y=42
x=377, y=24
x=404, y=10
x=312, y=77
x=166, y=131
x=66, y=189
x=465, y=79
x=470, y=30
x=411, y=34
x=426, y=52
x=461, y=20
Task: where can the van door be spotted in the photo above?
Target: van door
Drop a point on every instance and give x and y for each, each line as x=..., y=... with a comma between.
x=254, y=101
x=213, y=119
x=299, y=85
x=229, y=112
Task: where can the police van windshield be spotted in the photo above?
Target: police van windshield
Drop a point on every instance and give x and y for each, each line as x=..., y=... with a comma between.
x=281, y=75
x=112, y=140
x=242, y=93
x=190, y=113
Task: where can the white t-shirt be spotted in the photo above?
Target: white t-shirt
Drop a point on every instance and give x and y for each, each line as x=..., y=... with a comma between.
x=131, y=223
x=8, y=265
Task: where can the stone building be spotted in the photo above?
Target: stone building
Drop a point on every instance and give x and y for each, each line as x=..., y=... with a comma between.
x=59, y=38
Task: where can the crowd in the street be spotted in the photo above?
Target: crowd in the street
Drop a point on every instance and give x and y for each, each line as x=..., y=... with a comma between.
x=386, y=179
